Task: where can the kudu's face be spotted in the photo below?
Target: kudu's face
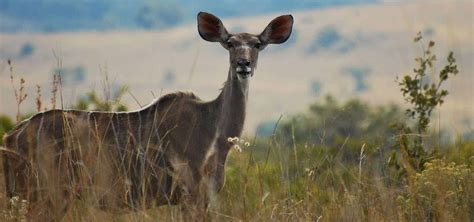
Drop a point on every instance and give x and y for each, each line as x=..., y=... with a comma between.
x=243, y=47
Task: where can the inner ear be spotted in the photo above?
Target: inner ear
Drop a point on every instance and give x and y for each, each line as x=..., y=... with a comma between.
x=278, y=30
x=211, y=28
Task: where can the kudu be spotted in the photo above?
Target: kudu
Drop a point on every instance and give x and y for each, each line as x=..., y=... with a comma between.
x=172, y=151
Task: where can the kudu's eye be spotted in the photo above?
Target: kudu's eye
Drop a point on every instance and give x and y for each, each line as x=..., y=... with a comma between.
x=229, y=45
x=258, y=45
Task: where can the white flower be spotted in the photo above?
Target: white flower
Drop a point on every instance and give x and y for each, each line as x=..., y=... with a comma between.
x=235, y=139
x=237, y=148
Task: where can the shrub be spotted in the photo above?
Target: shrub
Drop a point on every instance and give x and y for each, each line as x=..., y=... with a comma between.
x=441, y=192
x=424, y=95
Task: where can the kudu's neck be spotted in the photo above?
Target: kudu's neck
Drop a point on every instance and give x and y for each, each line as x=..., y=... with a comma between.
x=230, y=106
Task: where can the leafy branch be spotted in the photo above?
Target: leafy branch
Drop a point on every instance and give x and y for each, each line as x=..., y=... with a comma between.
x=424, y=95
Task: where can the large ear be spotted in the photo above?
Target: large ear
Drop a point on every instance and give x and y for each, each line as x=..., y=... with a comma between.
x=211, y=28
x=278, y=31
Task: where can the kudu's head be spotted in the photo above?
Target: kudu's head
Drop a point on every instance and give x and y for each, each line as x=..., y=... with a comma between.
x=244, y=47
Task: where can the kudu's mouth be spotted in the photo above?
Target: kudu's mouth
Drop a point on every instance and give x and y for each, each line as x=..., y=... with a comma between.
x=244, y=72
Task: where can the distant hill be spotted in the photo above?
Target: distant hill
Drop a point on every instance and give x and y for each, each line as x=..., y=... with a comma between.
x=83, y=15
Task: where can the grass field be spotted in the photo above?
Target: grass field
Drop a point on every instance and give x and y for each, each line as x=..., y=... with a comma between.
x=269, y=181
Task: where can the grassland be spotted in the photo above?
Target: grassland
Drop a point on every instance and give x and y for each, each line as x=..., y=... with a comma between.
x=271, y=181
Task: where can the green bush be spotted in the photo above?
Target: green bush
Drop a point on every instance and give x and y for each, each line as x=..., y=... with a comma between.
x=441, y=192
x=424, y=95
x=343, y=127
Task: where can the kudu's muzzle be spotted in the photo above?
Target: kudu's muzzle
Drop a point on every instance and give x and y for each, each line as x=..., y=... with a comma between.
x=243, y=68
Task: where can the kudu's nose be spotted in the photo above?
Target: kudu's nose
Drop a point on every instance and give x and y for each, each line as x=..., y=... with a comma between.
x=243, y=62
